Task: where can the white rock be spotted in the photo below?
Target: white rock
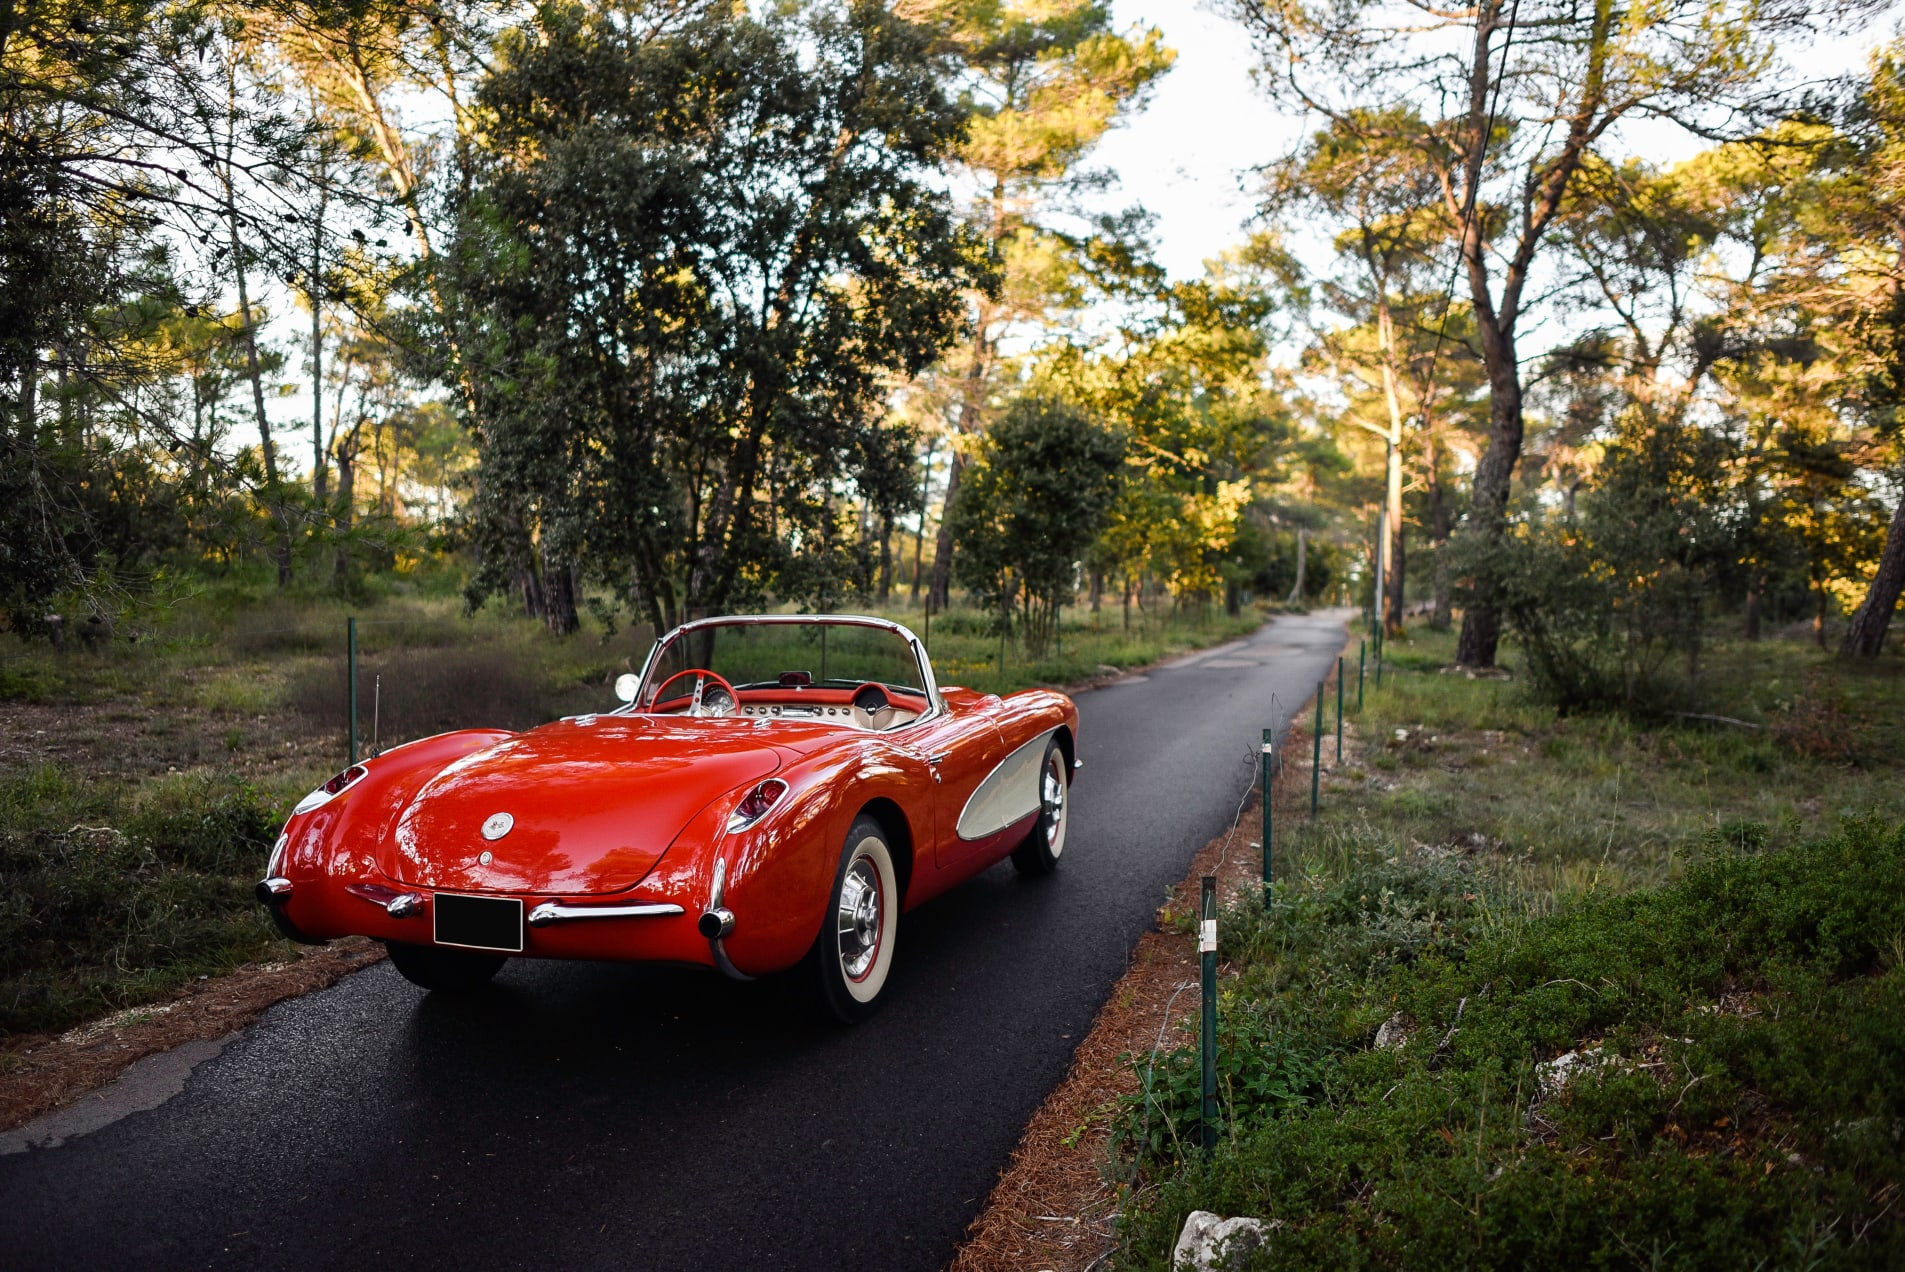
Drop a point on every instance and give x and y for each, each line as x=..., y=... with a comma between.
x=1554, y=1075
x=1392, y=1034
x=1211, y=1244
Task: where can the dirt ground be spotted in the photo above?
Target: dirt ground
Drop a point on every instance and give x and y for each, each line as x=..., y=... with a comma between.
x=40, y=1073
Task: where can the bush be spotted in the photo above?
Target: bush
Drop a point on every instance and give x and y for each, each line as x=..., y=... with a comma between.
x=107, y=898
x=1604, y=605
x=1737, y=1096
x=426, y=691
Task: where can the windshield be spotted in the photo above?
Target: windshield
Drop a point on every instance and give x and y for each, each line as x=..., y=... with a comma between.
x=756, y=655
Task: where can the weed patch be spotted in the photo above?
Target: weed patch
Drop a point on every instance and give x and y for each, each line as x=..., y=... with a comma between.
x=109, y=898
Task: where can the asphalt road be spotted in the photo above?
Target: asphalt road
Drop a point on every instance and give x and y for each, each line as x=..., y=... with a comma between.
x=604, y=1116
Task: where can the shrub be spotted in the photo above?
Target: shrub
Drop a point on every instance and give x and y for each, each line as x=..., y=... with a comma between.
x=1737, y=1097
x=1604, y=605
x=107, y=898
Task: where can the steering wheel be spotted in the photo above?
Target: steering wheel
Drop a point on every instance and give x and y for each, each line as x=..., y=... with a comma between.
x=874, y=701
x=717, y=701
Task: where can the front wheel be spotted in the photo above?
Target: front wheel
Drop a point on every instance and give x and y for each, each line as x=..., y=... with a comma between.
x=450, y=971
x=854, y=951
x=1040, y=852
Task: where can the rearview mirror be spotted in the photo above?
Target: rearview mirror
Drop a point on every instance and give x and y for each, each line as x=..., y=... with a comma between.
x=625, y=686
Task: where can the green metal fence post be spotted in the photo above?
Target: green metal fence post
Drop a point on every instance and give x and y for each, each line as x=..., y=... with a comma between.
x=1268, y=758
x=1316, y=750
x=350, y=642
x=1207, y=956
x=1339, y=709
x=1362, y=651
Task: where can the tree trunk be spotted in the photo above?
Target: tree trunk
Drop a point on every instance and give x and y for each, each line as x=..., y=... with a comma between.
x=1097, y=592
x=1392, y=597
x=941, y=589
x=1865, y=634
x=886, y=557
x=346, y=494
x=315, y=292
x=925, y=493
x=1391, y=556
x=559, y=595
x=1488, y=513
x=1439, y=543
x=1302, y=564
x=1753, y=609
x=253, y=371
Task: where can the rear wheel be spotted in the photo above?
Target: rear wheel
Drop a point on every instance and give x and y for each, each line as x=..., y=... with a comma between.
x=1040, y=852
x=436, y=968
x=854, y=951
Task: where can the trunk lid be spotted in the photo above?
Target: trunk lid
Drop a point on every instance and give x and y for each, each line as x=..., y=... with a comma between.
x=592, y=804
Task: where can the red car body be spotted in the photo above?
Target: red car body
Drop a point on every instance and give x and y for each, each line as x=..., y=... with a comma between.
x=620, y=835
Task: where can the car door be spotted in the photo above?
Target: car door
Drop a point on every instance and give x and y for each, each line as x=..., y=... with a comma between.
x=960, y=747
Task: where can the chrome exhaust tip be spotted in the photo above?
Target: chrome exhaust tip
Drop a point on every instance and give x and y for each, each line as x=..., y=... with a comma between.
x=274, y=891
x=716, y=924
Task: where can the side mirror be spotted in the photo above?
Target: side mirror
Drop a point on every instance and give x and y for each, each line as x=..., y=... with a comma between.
x=625, y=686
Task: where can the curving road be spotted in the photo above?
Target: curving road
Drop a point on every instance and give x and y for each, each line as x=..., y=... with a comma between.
x=597, y=1116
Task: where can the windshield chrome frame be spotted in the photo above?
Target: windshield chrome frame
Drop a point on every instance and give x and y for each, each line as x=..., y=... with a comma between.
x=936, y=705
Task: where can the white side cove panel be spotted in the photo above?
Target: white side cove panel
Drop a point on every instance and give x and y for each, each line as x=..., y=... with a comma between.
x=1009, y=792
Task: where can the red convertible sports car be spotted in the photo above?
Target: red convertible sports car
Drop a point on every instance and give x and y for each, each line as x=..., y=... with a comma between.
x=775, y=791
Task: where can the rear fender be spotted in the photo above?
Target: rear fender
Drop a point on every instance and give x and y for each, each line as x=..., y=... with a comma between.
x=344, y=837
x=780, y=873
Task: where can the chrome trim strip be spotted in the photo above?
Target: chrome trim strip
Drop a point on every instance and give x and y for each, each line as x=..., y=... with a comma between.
x=991, y=807
x=556, y=912
x=723, y=922
x=722, y=961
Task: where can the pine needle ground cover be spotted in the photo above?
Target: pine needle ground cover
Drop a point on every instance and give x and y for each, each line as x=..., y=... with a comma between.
x=1599, y=997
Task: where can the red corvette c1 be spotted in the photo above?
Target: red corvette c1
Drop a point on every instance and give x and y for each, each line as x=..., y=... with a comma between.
x=774, y=791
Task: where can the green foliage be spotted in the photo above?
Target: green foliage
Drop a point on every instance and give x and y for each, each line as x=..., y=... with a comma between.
x=1601, y=603
x=1035, y=498
x=1742, y=1079
x=761, y=190
x=108, y=898
x=1262, y=1072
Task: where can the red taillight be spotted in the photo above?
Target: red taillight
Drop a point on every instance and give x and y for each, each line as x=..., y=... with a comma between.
x=344, y=779
x=756, y=803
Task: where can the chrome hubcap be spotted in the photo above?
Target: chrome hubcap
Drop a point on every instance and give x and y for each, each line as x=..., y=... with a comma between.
x=858, y=920
x=1052, y=806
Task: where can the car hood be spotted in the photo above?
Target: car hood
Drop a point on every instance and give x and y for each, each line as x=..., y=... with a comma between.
x=592, y=803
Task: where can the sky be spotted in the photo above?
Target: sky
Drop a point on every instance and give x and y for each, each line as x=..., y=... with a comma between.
x=1186, y=157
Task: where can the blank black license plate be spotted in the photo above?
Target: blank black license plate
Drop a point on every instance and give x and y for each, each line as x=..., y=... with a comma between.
x=480, y=923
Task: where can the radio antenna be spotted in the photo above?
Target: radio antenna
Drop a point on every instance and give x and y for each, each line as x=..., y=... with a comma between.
x=376, y=701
